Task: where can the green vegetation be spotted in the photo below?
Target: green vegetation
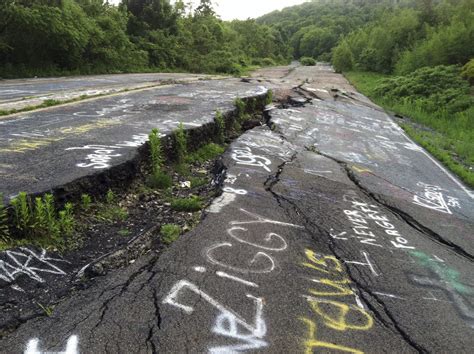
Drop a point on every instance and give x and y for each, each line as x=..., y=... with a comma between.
x=429, y=98
x=181, y=140
x=86, y=202
x=4, y=228
x=205, y=153
x=124, y=232
x=39, y=222
x=193, y=203
x=412, y=57
x=93, y=36
x=110, y=211
x=197, y=182
x=240, y=109
x=156, y=150
x=170, y=233
x=158, y=178
x=307, y=61
x=220, y=124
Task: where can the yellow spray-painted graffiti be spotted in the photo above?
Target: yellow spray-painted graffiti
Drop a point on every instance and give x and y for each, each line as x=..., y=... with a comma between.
x=312, y=342
x=340, y=316
x=336, y=315
x=342, y=287
x=316, y=263
x=24, y=145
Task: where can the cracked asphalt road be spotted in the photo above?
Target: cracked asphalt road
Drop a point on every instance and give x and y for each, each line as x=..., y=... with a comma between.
x=334, y=233
x=45, y=149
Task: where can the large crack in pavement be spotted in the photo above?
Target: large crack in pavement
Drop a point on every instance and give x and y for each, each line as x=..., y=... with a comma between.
x=392, y=322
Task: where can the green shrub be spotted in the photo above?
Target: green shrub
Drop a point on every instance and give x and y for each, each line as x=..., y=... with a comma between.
x=307, y=61
x=342, y=58
x=170, y=233
x=193, y=203
x=268, y=62
x=434, y=88
x=468, y=72
x=22, y=213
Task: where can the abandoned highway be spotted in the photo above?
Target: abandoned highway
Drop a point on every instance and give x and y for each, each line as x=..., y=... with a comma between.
x=334, y=231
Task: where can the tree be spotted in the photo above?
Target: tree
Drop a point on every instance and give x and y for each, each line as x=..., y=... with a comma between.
x=342, y=59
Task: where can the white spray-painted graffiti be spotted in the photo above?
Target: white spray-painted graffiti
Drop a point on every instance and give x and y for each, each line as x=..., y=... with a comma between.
x=29, y=263
x=244, y=156
x=71, y=347
x=102, y=154
x=434, y=199
x=362, y=216
x=228, y=324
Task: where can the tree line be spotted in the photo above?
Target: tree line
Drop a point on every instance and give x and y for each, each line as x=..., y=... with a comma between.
x=50, y=37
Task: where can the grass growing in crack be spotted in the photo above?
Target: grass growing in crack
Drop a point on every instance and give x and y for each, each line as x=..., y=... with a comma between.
x=220, y=123
x=48, y=310
x=170, y=233
x=191, y=204
x=4, y=228
x=181, y=140
x=205, y=153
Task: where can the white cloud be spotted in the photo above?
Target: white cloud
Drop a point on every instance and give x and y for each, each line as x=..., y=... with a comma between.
x=243, y=9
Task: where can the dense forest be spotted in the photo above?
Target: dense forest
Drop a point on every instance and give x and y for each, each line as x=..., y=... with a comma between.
x=48, y=37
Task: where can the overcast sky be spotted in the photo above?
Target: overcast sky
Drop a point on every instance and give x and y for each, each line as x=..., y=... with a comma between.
x=243, y=9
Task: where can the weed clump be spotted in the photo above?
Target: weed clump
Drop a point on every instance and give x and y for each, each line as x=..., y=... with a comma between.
x=170, y=233
x=205, y=153
x=111, y=212
x=191, y=204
